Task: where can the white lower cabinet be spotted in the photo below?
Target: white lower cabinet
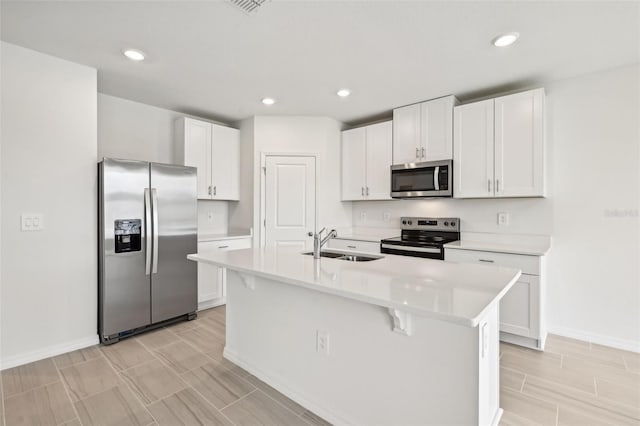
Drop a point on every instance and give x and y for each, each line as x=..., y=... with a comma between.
x=354, y=245
x=212, y=279
x=521, y=309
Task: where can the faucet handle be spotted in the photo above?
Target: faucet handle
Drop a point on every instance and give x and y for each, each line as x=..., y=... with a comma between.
x=321, y=231
x=310, y=234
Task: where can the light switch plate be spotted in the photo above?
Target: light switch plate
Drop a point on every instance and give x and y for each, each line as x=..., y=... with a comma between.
x=32, y=221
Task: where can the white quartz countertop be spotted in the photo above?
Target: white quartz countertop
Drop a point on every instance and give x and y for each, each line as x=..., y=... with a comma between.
x=448, y=291
x=232, y=235
x=539, y=249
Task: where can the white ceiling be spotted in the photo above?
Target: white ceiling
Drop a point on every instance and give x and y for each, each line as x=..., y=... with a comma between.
x=209, y=59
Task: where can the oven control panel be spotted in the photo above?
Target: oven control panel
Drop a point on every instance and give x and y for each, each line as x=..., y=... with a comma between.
x=431, y=223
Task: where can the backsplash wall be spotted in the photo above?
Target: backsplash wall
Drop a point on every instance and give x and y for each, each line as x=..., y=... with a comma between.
x=526, y=215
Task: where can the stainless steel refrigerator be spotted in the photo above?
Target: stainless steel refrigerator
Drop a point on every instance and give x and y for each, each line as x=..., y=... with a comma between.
x=147, y=225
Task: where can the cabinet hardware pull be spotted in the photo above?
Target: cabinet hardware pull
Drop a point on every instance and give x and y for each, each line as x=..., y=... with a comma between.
x=214, y=190
x=417, y=152
x=423, y=153
x=209, y=190
x=497, y=185
x=362, y=191
x=486, y=260
x=223, y=246
x=488, y=185
x=351, y=246
x=367, y=190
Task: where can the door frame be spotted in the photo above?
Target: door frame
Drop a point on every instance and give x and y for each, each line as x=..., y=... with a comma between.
x=263, y=188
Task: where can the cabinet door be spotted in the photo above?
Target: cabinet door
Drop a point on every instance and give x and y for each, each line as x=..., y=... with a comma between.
x=437, y=128
x=353, y=164
x=473, y=150
x=519, y=144
x=520, y=307
x=225, y=163
x=197, y=152
x=406, y=135
x=379, y=152
x=209, y=276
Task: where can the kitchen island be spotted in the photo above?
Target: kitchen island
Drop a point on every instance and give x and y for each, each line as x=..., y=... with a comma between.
x=392, y=341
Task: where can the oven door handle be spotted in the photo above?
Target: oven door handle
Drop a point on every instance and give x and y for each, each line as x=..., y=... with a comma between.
x=436, y=178
x=410, y=248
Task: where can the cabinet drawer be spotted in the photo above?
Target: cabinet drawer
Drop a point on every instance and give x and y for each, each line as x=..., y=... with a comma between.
x=235, y=244
x=527, y=264
x=355, y=245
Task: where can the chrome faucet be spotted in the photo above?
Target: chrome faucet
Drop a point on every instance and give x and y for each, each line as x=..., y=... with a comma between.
x=318, y=241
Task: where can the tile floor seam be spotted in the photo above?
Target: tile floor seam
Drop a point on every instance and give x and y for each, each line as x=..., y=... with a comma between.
x=524, y=379
x=144, y=406
x=67, y=392
x=278, y=402
x=219, y=410
x=239, y=399
x=131, y=366
x=184, y=382
x=31, y=389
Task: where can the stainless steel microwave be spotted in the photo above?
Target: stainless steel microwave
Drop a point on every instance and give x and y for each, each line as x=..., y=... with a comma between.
x=422, y=180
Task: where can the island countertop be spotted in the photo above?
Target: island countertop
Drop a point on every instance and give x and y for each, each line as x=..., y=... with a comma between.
x=455, y=292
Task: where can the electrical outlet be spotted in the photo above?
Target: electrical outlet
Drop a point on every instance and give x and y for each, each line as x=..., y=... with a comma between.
x=363, y=216
x=32, y=222
x=503, y=218
x=322, y=342
x=386, y=216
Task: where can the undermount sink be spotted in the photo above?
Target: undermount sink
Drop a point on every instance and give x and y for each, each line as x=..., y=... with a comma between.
x=346, y=256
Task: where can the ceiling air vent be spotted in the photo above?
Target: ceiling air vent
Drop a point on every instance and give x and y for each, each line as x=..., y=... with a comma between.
x=247, y=6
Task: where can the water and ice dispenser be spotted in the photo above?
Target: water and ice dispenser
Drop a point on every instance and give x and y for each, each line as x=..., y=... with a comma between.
x=128, y=235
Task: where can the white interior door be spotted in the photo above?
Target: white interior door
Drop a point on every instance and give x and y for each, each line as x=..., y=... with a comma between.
x=290, y=201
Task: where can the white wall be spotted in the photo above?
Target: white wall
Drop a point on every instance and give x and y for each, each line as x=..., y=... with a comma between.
x=591, y=213
x=137, y=131
x=286, y=134
x=49, y=153
x=594, y=288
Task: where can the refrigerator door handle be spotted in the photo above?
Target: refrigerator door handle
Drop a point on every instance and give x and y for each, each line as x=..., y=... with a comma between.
x=147, y=232
x=154, y=212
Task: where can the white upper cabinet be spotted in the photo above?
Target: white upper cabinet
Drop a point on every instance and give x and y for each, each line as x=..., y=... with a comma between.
x=424, y=131
x=499, y=147
x=519, y=144
x=215, y=151
x=406, y=135
x=473, y=150
x=366, y=162
x=354, y=160
x=379, y=151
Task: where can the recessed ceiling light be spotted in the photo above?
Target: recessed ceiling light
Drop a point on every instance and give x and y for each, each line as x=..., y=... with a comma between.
x=134, y=55
x=343, y=93
x=268, y=101
x=505, y=39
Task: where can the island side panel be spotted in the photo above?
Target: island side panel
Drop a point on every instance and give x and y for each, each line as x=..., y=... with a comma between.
x=371, y=375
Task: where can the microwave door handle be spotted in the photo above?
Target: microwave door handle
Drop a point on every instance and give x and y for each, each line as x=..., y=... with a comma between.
x=436, y=178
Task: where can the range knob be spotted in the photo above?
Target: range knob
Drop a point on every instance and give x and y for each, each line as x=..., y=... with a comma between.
x=404, y=222
x=410, y=223
x=447, y=224
x=453, y=224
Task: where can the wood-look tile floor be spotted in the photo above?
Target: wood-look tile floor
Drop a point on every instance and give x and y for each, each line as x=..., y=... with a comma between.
x=177, y=375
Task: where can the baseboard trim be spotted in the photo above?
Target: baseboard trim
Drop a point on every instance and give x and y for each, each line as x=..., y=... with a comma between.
x=614, y=342
x=286, y=390
x=47, y=352
x=208, y=304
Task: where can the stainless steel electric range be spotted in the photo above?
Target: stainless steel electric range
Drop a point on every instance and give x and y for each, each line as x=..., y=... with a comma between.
x=423, y=237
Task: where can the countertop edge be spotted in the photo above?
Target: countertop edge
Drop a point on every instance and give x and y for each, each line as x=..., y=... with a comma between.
x=498, y=248
x=206, y=238
x=467, y=322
